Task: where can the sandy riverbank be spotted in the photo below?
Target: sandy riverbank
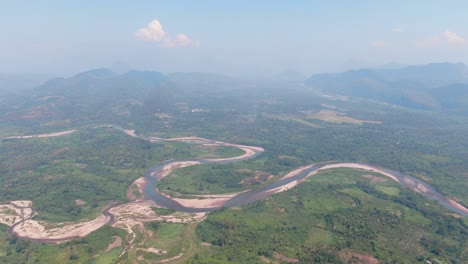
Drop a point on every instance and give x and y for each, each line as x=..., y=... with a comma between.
x=56, y=134
x=41, y=230
x=354, y=166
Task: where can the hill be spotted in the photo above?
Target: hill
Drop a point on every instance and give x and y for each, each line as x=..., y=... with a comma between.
x=423, y=87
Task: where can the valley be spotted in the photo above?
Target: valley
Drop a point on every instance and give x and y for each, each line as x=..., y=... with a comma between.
x=304, y=177
x=233, y=132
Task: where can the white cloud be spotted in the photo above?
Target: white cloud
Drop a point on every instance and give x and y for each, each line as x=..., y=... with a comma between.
x=183, y=40
x=378, y=44
x=453, y=38
x=397, y=30
x=154, y=32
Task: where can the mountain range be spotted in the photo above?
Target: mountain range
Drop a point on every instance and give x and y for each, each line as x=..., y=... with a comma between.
x=440, y=86
x=436, y=86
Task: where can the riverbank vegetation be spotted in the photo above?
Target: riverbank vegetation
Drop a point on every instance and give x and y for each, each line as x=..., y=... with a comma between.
x=332, y=216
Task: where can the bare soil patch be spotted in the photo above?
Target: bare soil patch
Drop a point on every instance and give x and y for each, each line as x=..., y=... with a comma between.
x=130, y=194
x=282, y=257
x=415, y=186
x=139, y=184
x=117, y=243
x=258, y=178
x=154, y=251
x=130, y=132
x=164, y=115
x=80, y=202
x=357, y=257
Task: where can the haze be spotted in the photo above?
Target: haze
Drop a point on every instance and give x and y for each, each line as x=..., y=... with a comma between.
x=238, y=38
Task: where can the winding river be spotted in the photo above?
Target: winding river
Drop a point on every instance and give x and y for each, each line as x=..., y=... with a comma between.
x=158, y=171
x=155, y=173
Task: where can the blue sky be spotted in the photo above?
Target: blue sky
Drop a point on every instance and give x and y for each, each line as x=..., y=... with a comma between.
x=235, y=37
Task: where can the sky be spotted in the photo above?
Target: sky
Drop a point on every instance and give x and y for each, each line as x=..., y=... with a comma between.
x=229, y=37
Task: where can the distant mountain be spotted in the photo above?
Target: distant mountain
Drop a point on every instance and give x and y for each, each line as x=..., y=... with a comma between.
x=94, y=91
x=453, y=96
x=426, y=86
x=103, y=93
x=434, y=74
x=100, y=84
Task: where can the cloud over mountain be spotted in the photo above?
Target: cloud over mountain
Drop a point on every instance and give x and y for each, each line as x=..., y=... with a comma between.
x=154, y=32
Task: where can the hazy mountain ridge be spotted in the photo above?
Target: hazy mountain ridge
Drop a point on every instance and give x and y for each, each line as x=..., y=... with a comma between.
x=438, y=86
x=433, y=86
x=105, y=92
x=103, y=81
x=90, y=93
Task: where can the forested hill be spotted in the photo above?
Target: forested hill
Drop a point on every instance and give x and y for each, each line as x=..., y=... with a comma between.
x=440, y=86
x=102, y=83
x=102, y=94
